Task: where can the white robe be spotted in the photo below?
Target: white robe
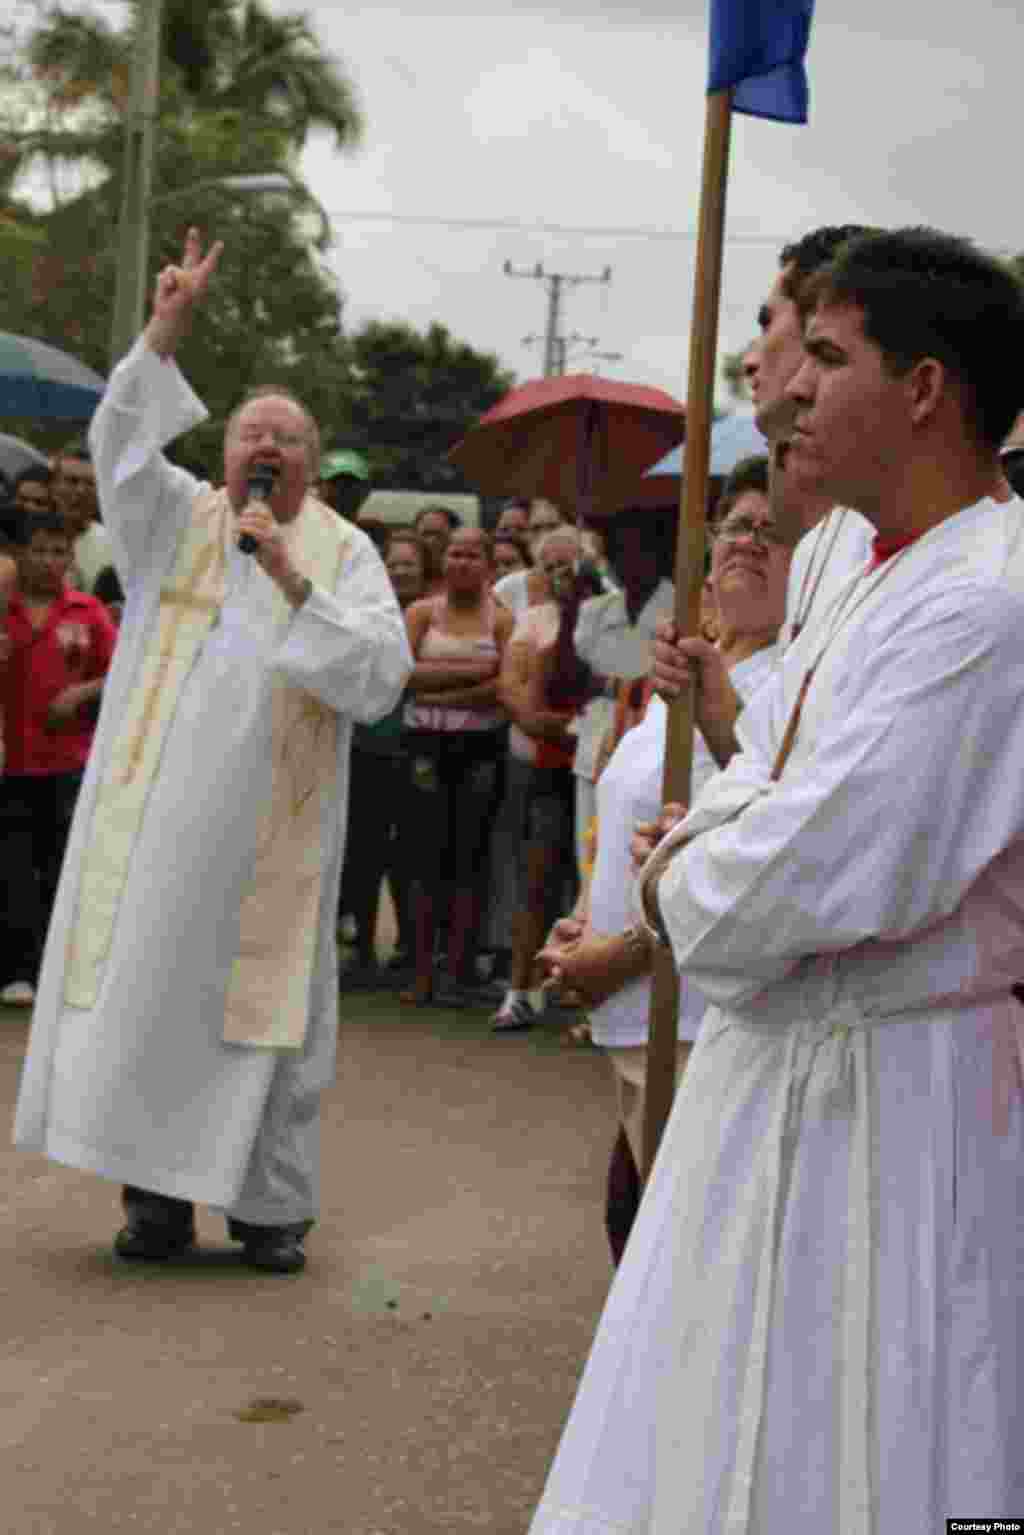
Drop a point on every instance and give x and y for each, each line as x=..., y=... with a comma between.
x=629, y=790
x=140, y=1088
x=817, y=1323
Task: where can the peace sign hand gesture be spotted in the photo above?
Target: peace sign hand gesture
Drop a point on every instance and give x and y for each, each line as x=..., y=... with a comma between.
x=178, y=290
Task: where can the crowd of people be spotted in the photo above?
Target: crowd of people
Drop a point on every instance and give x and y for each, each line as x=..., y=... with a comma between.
x=476, y=797
x=61, y=600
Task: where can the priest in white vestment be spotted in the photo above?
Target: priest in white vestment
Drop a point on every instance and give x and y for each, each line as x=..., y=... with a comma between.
x=187, y=1010
x=817, y=1323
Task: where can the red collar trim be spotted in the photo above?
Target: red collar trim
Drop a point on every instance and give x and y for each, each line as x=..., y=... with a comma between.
x=884, y=548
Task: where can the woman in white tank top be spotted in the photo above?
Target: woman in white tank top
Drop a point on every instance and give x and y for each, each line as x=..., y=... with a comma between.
x=455, y=741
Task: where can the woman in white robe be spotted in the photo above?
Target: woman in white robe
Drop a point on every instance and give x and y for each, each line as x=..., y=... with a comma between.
x=747, y=589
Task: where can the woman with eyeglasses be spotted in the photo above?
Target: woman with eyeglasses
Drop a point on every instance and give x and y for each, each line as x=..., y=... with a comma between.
x=597, y=952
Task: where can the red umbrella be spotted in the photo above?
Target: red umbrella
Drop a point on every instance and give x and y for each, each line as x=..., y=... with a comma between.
x=578, y=440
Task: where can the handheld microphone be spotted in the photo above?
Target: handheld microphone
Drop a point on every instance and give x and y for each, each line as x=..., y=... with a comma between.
x=259, y=486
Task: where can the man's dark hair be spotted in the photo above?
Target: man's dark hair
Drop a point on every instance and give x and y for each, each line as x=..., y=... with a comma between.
x=924, y=293
x=809, y=254
x=35, y=474
x=658, y=524
x=24, y=525
x=748, y=474
x=454, y=520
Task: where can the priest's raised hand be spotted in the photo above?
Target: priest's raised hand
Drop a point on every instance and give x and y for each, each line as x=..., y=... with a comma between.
x=178, y=290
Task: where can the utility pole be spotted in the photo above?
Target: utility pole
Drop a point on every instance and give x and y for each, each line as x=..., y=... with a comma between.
x=133, y=228
x=554, y=346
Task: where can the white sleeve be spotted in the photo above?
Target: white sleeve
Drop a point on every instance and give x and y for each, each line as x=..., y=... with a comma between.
x=144, y=499
x=588, y=628
x=883, y=827
x=349, y=647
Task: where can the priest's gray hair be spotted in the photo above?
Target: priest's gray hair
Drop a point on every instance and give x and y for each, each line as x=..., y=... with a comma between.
x=279, y=392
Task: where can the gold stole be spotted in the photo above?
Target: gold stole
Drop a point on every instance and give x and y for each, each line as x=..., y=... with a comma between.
x=267, y=1002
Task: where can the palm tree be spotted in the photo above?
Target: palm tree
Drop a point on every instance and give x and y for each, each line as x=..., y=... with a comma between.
x=221, y=57
x=235, y=56
x=241, y=90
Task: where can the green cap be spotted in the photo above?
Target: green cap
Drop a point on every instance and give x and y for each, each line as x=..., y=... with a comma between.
x=344, y=462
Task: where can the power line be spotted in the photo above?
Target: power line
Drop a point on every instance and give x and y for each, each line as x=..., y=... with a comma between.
x=599, y=231
x=523, y=226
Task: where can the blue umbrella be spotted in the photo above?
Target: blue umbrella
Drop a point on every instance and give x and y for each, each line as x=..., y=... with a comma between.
x=43, y=383
x=732, y=438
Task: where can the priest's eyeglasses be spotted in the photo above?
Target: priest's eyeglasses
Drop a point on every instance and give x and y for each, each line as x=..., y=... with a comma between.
x=734, y=528
x=251, y=435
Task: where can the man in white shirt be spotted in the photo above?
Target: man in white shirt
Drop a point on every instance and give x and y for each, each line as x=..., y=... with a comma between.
x=187, y=1010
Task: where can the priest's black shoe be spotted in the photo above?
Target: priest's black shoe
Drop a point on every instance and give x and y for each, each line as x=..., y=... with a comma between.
x=156, y=1225
x=276, y=1251
x=141, y=1238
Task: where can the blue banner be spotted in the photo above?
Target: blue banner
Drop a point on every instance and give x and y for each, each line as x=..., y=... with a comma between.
x=757, y=49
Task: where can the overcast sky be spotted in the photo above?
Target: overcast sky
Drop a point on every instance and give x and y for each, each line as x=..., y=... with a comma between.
x=592, y=116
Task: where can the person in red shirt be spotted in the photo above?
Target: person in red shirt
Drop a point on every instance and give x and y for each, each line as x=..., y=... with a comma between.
x=59, y=644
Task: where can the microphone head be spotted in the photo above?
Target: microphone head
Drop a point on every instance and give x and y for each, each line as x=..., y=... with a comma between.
x=261, y=481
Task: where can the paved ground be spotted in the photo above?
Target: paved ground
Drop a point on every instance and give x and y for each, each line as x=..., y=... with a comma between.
x=423, y=1364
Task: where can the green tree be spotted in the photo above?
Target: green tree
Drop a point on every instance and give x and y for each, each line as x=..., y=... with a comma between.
x=219, y=56
x=412, y=397
x=240, y=92
x=243, y=58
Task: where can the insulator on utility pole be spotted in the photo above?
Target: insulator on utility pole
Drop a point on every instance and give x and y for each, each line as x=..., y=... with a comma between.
x=554, y=343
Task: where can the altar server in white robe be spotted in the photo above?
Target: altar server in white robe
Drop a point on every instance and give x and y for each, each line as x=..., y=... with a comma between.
x=817, y=1322
x=187, y=1010
x=831, y=542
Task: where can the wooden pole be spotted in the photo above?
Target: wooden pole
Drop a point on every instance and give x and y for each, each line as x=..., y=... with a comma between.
x=691, y=544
